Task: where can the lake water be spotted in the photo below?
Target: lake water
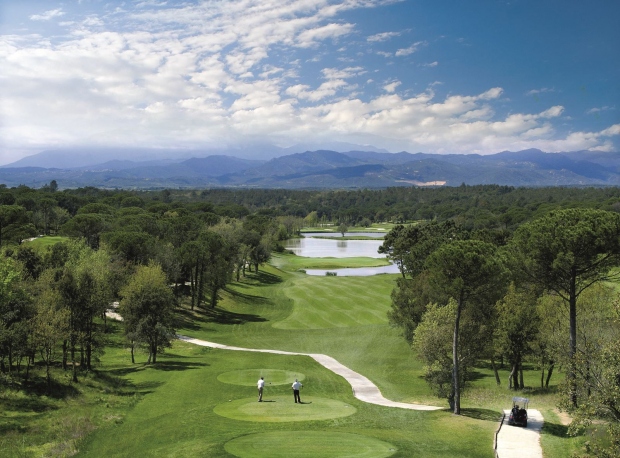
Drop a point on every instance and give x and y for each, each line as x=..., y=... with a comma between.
x=377, y=235
x=311, y=247
x=356, y=272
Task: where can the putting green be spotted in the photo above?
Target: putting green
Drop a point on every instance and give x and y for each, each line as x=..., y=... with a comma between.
x=283, y=409
x=249, y=377
x=308, y=444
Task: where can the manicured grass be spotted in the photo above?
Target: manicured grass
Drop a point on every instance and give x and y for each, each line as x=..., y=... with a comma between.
x=202, y=402
x=249, y=377
x=331, y=302
x=284, y=409
x=41, y=243
x=347, y=237
x=179, y=414
x=292, y=262
x=308, y=444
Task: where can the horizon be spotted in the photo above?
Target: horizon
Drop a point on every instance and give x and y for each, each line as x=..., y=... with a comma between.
x=431, y=77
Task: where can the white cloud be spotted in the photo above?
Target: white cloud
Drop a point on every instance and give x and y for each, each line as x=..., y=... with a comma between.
x=310, y=37
x=349, y=72
x=411, y=49
x=50, y=14
x=599, y=109
x=197, y=72
x=391, y=87
x=382, y=36
x=540, y=91
x=431, y=64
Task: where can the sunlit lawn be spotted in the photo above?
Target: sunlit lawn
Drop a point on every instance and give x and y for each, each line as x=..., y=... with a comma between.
x=41, y=243
x=198, y=402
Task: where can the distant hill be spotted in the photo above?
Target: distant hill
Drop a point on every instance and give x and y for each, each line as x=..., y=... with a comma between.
x=332, y=169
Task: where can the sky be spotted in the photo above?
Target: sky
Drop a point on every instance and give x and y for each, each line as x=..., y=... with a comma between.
x=433, y=76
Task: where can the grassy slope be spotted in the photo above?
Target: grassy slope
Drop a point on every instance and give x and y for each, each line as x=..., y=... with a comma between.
x=167, y=410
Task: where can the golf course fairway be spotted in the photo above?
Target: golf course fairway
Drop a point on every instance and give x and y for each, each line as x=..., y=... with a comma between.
x=308, y=444
x=249, y=377
x=283, y=409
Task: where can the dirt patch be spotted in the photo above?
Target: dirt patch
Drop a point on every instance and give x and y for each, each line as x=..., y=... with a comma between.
x=564, y=417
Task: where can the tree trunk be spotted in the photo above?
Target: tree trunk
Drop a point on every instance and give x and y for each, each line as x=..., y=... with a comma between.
x=455, y=359
x=75, y=377
x=64, y=355
x=521, y=384
x=133, y=361
x=572, y=374
x=511, y=378
x=549, y=373
x=213, y=297
x=497, y=380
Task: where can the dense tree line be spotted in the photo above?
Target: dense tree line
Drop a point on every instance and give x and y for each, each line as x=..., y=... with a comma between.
x=541, y=294
x=509, y=275
x=138, y=250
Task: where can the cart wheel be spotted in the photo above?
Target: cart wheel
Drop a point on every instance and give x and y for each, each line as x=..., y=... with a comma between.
x=525, y=424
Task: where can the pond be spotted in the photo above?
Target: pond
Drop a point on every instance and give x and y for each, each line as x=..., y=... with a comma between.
x=311, y=247
x=376, y=235
x=356, y=272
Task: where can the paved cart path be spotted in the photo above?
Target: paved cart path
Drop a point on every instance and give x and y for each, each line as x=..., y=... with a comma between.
x=519, y=442
x=363, y=389
x=512, y=441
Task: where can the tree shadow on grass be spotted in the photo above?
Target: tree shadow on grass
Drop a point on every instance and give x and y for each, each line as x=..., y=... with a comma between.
x=188, y=319
x=38, y=386
x=265, y=278
x=476, y=375
x=555, y=429
x=226, y=317
x=248, y=299
x=177, y=365
x=27, y=404
x=482, y=414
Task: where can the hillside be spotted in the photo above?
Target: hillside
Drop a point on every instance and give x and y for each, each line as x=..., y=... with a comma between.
x=330, y=169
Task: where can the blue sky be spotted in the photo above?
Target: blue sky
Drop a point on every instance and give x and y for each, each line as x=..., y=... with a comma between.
x=437, y=76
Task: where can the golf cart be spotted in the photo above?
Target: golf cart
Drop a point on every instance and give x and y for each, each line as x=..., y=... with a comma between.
x=518, y=414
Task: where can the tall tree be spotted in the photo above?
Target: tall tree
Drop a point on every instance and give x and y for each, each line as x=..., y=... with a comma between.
x=468, y=271
x=517, y=329
x=50, y=327
x=147, y=307
x=568, y=251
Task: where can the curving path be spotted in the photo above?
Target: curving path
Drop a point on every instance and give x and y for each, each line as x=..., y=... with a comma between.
x=363, y=389
x=512, y=441
x=519, y=442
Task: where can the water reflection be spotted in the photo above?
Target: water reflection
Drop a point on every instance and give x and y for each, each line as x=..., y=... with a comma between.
x=375, y=235
x=310, y=247
x=327, y=248
x=356, y=272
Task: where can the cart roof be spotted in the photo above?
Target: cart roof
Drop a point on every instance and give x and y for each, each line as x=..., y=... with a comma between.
x=519, y=399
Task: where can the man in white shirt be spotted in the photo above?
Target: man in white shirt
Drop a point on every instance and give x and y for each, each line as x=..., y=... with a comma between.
x=260, y=384
x=296, y=386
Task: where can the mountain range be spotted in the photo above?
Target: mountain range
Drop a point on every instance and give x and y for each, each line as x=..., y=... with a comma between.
x=315, y=169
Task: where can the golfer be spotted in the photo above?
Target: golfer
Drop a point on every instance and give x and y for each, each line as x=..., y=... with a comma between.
x=296, y=386
x=260, y=384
